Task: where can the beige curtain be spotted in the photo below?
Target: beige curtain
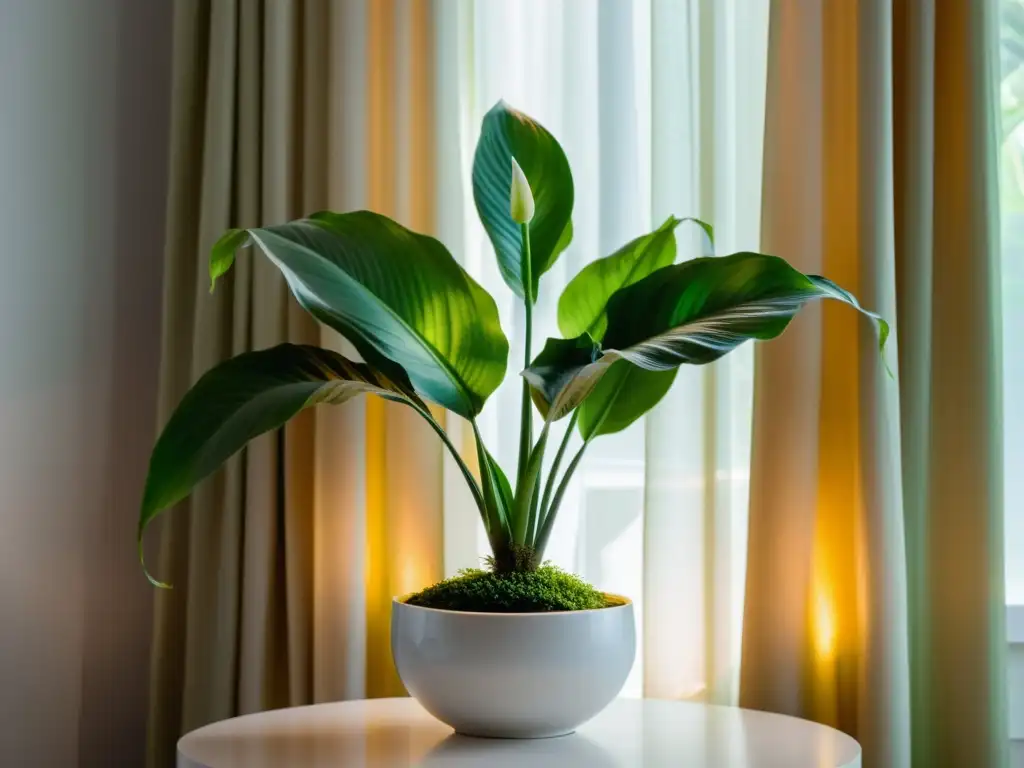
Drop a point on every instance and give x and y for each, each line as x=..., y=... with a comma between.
x=875, y=576
x=284, y=565
x=874, y=579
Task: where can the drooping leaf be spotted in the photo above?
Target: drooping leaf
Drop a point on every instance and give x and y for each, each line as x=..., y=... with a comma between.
x=507, y=133
x=560, y=376
x=699, y=310
x=244, y=397
x=693, y=312
x=398, y=296
x=623, y=395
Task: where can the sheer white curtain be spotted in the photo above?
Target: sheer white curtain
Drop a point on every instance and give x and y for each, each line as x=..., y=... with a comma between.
x=658, y=511
x=1012, y=209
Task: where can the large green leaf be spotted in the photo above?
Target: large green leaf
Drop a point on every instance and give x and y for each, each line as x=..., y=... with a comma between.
x=693, y=312
x=505, y=134
x=398, y=296
x=244, y=397
x=699, y=310
x=627, y=392
x=582, y=305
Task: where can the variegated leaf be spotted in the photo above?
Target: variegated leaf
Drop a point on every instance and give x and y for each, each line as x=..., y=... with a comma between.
x=563, y=374
x=694, y=312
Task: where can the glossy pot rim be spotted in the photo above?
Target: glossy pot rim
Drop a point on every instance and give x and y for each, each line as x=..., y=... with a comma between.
x=620, y=602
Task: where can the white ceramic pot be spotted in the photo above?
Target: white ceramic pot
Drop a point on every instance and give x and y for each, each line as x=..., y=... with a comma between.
x=513, y=675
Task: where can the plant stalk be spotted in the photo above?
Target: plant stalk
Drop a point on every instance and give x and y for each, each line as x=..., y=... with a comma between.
x=466, y=473
x=525, y=414
x=549, y=519
x=549, y=487
x=524, y=495
x=534, y=522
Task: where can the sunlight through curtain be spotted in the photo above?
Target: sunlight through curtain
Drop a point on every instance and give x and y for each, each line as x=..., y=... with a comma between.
x=660, y=108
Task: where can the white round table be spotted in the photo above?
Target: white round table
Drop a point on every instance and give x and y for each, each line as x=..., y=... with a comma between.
x=629, y=733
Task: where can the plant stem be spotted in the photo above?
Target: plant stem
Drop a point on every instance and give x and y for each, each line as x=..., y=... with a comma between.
x=470, y=480
x=549, y=519
x=524, y=494
x=526, y=413
x=534, y=521
x=549, y=487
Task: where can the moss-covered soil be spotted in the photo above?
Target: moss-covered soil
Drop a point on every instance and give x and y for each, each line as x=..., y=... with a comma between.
x=547, y=588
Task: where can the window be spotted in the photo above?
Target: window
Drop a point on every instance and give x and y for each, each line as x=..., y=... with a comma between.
x=657, y=511
x=1012, y=204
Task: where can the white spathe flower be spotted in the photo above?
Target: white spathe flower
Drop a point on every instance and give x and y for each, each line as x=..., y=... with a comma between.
x=521, y=197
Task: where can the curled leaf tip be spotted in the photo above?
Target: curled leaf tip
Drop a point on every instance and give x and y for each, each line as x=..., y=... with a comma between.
x=145, y=569
x=222, y=255
x=157, y=584
x=883, y=336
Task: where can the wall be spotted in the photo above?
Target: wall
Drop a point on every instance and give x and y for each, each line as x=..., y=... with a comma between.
x=84, y=88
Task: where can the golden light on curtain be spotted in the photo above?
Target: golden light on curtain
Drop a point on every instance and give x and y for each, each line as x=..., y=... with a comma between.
x=816, y=509
x=286, y=563
x=404, y=491
x=874, y=577
x=866, y=492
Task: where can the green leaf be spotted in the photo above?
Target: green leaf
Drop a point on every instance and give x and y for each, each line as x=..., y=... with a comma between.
x=693, y=312
x=709, y=232
x=627, y=392
x=581, y=308
x=699, y=310
x=398, y=296
x=244, y=397
x=505, y=134
x=623, y=395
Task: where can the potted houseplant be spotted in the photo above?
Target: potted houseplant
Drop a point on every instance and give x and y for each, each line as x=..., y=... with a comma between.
x=518, y=649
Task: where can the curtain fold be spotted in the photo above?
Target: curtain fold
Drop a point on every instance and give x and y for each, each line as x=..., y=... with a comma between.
x=874, y=576
x=856, y=139
x=956, y=567
x=707, y=117
x=659, y=107
x=285, y=563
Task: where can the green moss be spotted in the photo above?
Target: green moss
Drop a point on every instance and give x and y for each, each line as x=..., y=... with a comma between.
x=548, y=588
